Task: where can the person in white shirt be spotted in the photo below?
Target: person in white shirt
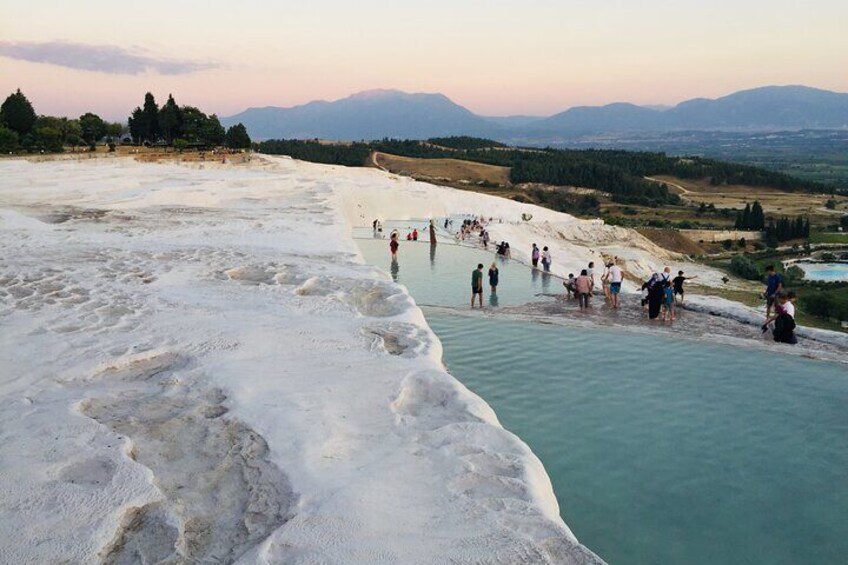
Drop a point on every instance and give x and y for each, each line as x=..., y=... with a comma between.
x=615, y=279
x=546, y=259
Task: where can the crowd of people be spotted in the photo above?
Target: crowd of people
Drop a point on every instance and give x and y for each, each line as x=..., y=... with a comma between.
x=661, y=293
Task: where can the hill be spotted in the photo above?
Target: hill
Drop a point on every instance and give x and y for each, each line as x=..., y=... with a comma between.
x=373, y=114
x=378, y=114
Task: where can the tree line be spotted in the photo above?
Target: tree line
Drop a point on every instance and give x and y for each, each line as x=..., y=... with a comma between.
x=182, y=126
x=22, y=129
x=751, y=218
x=777, y=230
x=549, y=166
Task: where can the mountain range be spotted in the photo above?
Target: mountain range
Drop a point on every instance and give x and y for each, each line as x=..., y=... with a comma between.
x=376, y=114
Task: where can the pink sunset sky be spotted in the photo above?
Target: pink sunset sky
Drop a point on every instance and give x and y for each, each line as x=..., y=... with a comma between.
x=496, y=57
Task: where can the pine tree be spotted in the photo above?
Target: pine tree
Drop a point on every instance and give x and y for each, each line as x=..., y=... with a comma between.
x=746, y=217
x=758, y=217
x=170, y=120
x=150, y=119
x=17, y=114
x=136, y=125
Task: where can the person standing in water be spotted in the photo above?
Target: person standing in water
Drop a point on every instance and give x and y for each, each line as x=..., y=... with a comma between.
x=493, y=277
x=605, y=282
x=477, y=284
x=677, y=282
x=590, y=272
x=393, y=245
x=414, y=234
x=668, y=295
x=656, y=293
x=534, y=256
x=546, y=259
x=583, y=286
x=615, y=278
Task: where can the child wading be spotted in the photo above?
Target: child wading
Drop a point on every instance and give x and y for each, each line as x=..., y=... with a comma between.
x=477, y=285
x=534, y=256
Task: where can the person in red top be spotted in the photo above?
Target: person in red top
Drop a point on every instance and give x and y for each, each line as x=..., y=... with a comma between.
x=415, y=234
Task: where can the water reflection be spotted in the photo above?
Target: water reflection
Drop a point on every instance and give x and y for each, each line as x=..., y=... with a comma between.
x=432, y=256
x=493, y=299
x=395, y=269
x=546, y=281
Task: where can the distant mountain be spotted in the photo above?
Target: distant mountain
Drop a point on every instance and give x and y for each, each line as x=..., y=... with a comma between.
x=767, y=107
x=368, y=115
x=391, y=113
x=591, y=119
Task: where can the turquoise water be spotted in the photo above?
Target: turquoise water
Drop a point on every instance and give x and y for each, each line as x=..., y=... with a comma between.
x=660, y=450
x=825, y=271
x=670, y=451
x=441, y=275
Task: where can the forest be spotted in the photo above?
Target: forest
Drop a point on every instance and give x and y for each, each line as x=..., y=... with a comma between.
x=620, y=173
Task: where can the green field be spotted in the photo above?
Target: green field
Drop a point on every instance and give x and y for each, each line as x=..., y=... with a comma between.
x=829, y=237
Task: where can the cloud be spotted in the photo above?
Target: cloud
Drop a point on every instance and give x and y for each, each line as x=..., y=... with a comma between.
x=99, y=58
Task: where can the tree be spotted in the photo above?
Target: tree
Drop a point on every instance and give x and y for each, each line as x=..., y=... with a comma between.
x=745, y=268
x=758, y=217
x=49, y=140
x=136, y=124
x=830, y=204
x=114, y=130
x=170, y=120
x=17, y=114
x=237, y=138
x=150, y=119
x=213, y=131
x=746, y=217
x=9, y=141
x=93, y=128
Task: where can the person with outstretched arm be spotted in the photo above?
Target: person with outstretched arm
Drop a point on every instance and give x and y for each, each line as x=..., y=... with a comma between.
x=677, y=282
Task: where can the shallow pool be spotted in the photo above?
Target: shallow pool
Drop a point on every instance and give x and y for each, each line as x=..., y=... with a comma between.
x=660, y=450
x=825, y=271
x=670, y=451
x=441, y=274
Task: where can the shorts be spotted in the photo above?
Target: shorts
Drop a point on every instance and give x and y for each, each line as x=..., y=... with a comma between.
x=615, y=288
x=669, y=297
x=476, y=291
x=678, y=291
x=770, y=299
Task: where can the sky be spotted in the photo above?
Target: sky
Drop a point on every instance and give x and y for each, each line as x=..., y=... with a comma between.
x=495, y=57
